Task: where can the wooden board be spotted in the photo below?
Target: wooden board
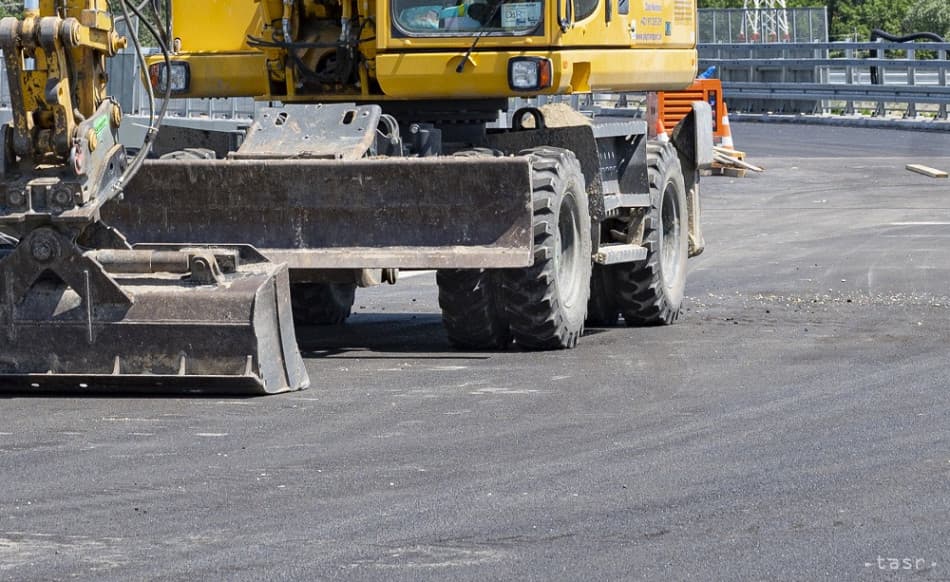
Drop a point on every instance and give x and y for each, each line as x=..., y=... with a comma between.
x=739, y=155
x=730, y=172
x=725, y=161
x=926, y=170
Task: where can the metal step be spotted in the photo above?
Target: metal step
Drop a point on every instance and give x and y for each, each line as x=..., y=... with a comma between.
x=619, y=253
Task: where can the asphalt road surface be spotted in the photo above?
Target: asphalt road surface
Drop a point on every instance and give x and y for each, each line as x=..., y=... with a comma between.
x=794, y=425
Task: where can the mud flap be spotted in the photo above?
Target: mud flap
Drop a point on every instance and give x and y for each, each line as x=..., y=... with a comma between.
x=325, y=214
x=693, y=139
x=155, y=319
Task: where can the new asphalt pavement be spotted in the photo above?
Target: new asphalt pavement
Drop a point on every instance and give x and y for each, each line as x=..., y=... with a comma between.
x=793, y=425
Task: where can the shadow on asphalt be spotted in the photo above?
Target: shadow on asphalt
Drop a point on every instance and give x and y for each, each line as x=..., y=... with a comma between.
x=376, y=334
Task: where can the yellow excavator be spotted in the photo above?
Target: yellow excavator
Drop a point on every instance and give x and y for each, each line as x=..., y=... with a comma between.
x=384, y=140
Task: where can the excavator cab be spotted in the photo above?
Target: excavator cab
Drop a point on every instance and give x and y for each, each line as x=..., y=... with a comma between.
x=309, y=50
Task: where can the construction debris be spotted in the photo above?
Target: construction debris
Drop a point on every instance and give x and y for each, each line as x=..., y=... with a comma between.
x=730, y=162
x=560, y=115
x=672, y=106
x=926, y=170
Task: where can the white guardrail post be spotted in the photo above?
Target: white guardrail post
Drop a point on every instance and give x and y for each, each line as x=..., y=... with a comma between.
x=942, y=79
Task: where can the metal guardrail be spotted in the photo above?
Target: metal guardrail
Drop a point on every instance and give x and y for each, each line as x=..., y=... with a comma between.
x=834, y=77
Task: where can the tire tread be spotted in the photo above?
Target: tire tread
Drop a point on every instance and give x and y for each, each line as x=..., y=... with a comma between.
x=639, y=287
x=537, y=319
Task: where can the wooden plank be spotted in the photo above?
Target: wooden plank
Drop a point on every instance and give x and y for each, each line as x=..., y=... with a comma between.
x=926, y=170
x=739, y=155
x=730, y=172
x=728, y=161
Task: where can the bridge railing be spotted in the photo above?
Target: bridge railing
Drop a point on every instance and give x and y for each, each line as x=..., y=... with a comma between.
x=877, y=78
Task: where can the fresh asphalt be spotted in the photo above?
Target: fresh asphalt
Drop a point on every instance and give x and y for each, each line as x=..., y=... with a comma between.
x=793, y=425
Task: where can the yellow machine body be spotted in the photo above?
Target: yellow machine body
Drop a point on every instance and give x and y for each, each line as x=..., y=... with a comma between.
x=605, y=45
x=384, y=153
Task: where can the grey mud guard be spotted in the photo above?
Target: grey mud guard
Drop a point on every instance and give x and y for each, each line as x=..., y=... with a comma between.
x=150, y=319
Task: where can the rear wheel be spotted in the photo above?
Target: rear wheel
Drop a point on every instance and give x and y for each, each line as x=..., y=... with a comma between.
x=650, y=292
x=322, y=303
x=472, y=313
x=546, y=303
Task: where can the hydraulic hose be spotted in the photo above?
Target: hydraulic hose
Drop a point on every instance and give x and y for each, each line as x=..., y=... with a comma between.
x=155, y=121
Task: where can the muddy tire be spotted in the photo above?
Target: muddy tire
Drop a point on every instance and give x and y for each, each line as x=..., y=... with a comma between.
x=546, y=303
x=650, y=292
x=602, y=308
x=322, y=303
x=472, y=313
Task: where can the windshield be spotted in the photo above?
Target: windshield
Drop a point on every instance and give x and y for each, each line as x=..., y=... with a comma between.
x=464, y=17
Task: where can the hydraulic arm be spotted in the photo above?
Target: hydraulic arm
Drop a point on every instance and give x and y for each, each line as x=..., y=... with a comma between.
x=80, y=307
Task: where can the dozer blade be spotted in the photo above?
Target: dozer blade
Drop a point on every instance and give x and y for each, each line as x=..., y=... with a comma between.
x=156, y=319
x=448, y=212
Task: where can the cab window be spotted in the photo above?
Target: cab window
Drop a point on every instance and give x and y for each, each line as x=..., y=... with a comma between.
x=584, y=8
x=466, y=17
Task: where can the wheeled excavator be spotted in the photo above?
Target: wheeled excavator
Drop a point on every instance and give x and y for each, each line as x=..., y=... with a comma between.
x=384, y=139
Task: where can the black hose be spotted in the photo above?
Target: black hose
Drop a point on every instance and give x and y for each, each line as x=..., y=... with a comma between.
x=155, y=121
x=261, y=43
x=878, y=34
x=347, y=55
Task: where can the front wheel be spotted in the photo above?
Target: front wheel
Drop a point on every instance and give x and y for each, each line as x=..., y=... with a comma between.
x=322, y=303
x=546, y=303
x=471, y=309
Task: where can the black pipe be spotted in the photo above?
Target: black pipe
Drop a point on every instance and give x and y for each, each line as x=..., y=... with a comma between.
x=878, y=34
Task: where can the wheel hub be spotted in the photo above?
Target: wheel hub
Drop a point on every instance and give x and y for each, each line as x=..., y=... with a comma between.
x=567, y=250
x=670, y=235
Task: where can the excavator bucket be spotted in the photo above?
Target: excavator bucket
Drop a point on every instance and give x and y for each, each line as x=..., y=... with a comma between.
x=159, y=318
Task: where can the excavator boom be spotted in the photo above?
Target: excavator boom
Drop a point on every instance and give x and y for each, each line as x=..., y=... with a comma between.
x=80, y=308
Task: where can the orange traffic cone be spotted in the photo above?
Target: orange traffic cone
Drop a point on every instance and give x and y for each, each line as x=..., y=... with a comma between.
x=726, y=129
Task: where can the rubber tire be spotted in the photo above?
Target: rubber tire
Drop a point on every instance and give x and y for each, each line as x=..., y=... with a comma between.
x=546, y=303
x=322, y=303
x=602, y=308
x=472, y=313
x=650, y=292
